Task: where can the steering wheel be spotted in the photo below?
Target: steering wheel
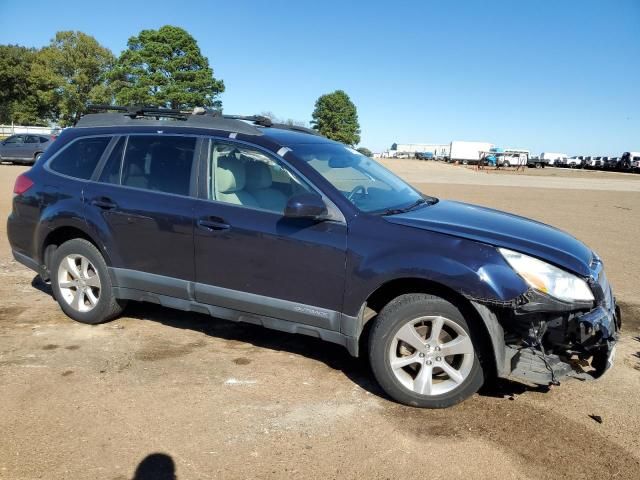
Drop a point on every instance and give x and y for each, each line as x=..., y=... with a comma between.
x=358, y=189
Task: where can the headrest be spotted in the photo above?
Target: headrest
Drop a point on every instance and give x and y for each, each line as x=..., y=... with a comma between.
x=258, y=176
x=230, y=175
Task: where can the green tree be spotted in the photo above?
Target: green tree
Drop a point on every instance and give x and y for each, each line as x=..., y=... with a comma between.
x=69, y=73
x=19, y=102
x=365, y=151
x=165, y=68
x=335, y=116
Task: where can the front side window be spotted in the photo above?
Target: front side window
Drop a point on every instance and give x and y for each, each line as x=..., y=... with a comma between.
x=79, y=158
x=245, y=176
x=364, y=182
x=154, y=162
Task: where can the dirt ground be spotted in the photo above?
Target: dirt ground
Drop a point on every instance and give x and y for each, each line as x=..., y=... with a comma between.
x=217, y=399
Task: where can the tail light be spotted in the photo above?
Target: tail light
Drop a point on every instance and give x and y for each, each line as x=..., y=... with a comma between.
x=23, y=183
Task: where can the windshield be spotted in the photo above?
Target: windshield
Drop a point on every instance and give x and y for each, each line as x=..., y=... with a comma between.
x=364, y=182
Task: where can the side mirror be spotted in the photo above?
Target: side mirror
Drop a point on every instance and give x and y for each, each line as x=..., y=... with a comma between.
x=306, y=205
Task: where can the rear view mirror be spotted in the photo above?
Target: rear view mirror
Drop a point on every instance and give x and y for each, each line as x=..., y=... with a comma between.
x=343, y=162
x=306, y=205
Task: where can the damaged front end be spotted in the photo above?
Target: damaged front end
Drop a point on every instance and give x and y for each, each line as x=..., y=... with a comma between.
x=546, y=339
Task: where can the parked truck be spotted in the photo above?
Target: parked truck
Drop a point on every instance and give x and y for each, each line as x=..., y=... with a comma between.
x=468, y=152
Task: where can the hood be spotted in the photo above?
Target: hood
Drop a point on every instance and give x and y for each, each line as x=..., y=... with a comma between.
x=501, y=229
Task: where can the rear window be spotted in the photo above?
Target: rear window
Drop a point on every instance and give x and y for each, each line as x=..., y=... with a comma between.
x=159, y=163
x=79, y=159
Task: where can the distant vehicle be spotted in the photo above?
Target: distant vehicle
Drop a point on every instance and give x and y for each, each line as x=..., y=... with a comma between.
x=552, y=157
x=424, y=155
x=467, y=152
x=630, y=161
x=514, y=158
x=611, y=163
x=537, y=162
x=575, y=162
x=24, y=148
x=592, y=162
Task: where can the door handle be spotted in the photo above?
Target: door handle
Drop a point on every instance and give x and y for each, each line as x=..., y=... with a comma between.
x=103, y=203
x=213, y=223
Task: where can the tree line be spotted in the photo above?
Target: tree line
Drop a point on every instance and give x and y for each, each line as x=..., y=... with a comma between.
x=163, y=68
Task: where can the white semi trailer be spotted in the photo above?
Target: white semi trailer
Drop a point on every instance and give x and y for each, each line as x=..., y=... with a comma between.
x=468, y=152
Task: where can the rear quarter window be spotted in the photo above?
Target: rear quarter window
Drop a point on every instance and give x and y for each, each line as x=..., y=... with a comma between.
x=79, y=158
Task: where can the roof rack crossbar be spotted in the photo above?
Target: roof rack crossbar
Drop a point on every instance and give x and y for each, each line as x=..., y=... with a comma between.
x=198, y=113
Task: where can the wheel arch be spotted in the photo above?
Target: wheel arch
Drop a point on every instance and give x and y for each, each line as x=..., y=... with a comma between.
x=481, y=325
x=63, y=233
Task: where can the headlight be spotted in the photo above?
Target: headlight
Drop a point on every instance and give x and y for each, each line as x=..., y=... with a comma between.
x=547, y=278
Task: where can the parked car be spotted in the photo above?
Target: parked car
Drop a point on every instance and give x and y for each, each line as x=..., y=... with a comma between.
x=24, y=148
x=277, y=226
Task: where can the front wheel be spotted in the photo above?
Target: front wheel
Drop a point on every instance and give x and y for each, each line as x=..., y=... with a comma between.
x=81, y=283
x=422, y=352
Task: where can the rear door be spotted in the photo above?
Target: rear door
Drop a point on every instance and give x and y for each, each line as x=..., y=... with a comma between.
x=140, y=205
x=31, y=146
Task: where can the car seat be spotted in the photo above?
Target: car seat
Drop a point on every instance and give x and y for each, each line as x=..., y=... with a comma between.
x=259, y=184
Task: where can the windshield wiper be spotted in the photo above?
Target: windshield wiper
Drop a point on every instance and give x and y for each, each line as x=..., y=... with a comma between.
x=417, y=203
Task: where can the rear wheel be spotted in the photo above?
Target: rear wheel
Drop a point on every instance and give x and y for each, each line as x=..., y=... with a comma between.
x=37, y=157
x=422, y=352
x=81, y=283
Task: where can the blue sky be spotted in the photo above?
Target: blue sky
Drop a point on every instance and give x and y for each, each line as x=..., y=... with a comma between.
x=543, y=75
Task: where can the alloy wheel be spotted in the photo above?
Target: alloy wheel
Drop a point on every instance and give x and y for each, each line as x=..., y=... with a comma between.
x=79, y=282
x=431, y=355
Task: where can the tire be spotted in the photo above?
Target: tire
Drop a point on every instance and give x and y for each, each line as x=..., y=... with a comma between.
x=86, y=295
x=506, y=164
x=37, y=157
x=404, y=384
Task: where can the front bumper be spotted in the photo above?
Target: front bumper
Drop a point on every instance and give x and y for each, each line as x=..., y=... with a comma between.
x=547, y=341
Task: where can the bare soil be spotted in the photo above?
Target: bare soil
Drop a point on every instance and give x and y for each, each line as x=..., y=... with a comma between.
x=223, y=400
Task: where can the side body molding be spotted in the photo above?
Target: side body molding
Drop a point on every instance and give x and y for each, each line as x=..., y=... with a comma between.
x=233, y=305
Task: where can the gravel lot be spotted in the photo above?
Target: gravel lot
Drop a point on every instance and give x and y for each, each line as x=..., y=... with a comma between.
x=225, y=400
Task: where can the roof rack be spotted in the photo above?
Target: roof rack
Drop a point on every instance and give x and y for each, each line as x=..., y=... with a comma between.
x=99, y=115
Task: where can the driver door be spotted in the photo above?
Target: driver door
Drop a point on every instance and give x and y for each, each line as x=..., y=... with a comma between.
x=248, y=256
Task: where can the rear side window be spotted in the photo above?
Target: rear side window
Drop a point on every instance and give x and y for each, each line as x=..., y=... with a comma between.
x=80, y=158
x=43, y=139
x=111, y=171
x=32, y=139
x=159, y=163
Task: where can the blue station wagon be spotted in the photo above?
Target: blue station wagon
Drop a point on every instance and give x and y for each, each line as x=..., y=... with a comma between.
x=251, y=221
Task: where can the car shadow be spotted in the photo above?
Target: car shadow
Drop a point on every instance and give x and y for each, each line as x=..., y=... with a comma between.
x=334, y=356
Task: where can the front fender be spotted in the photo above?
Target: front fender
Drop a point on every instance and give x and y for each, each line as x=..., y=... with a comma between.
x=472, y=269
